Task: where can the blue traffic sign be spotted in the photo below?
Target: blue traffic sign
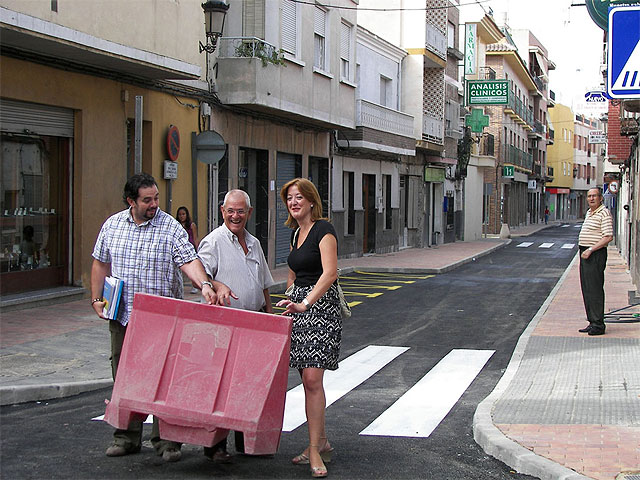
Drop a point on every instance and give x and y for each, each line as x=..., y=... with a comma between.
x=623, y=73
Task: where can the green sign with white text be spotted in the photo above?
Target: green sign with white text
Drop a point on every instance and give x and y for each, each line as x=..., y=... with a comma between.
x=487, y=92
x=507, y=171
x=599, y=10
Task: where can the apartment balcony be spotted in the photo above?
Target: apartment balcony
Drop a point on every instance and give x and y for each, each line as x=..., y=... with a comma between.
x=549, y=176
x=380, y=129
x=539, y=130
x=433, y=129
x=519, y=112
x=436, y=41
x=487, y=73
x=252, y=74
x=514, y=156
x=628, y=126
x=552, y=98
x=486, y=147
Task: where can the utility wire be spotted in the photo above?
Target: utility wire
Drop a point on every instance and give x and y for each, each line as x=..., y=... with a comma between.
x=338, y=7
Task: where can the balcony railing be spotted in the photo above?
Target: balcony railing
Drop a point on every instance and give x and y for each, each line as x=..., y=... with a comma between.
x=248, y=47
x=539, y=127
x=517, y=157
x=382, y=118
x=436, y=41
x=487, y=73
x=433, y=129
x=520, y=109
x=550, y=172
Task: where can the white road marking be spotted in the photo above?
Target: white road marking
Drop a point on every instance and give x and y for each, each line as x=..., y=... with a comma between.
x=565, y=225
x=421, y=409
x=546, y=245
x=524, y=245
x=149, y=419
x=568, y=245
x=352, y=372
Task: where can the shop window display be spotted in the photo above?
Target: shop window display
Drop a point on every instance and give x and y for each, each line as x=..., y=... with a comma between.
x=34, y=236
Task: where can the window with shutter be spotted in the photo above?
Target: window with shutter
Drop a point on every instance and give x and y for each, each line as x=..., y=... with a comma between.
x=319, y=38
x=289, y=27
x=253, y=18
x=345, y=50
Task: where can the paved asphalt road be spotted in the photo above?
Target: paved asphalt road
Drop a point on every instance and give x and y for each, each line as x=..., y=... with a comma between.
x=484, y=305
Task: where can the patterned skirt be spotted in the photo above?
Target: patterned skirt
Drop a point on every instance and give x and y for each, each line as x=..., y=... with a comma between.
x=316, y=333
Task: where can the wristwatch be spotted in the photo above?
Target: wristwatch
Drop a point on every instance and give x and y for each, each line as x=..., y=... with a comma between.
x=95, y=300
x=306, y=303
x=590, y=249
x=207, y=283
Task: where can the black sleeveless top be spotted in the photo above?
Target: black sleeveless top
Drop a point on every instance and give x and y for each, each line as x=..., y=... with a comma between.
x=305, y=261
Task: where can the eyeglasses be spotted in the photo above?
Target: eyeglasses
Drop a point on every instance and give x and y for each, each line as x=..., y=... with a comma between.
x=231, y=211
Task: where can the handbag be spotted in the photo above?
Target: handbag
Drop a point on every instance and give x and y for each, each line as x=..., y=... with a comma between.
x=345, y=309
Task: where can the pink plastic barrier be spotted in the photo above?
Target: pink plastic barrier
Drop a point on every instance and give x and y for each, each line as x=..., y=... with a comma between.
x=203, y=370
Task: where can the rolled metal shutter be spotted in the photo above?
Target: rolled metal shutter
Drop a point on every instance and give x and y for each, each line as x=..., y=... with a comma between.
x=288, y=167
x=35, y=118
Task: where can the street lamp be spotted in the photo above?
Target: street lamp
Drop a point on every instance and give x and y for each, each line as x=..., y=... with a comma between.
x=214, y=13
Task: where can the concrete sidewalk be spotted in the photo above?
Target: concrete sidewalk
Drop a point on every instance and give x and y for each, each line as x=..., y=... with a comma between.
x=567, y=403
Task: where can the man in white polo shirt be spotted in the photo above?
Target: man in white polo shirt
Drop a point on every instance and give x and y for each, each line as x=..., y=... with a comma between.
x=595, y=235
x=230, y=254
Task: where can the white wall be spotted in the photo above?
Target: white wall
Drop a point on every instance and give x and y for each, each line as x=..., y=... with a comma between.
x=473, y=198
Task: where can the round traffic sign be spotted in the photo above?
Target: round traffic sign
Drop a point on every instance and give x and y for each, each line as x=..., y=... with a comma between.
x=173, y=143
x=613, y=187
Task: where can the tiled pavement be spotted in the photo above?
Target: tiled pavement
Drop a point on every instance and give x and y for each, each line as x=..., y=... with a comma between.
x=576, y=399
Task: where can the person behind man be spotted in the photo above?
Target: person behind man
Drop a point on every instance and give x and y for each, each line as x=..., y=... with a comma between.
x=595, y=235
x=147, y=249
x=231, y=255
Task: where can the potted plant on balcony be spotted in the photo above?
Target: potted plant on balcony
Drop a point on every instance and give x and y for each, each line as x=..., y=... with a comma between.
x=258, y=49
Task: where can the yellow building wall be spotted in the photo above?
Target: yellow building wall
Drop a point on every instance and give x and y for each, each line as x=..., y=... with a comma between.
x=561, y=151
x=99, y=158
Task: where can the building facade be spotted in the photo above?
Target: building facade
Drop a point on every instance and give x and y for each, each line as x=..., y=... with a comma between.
x=89, y=94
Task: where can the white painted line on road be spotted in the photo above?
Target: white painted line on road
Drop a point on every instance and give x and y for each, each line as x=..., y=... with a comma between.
x=568, y=245
x=421, y=409
x=546, y=245
x=352, y=371
x=524, y=245
x=579, y=225
x=148, y=420
x=565, y=225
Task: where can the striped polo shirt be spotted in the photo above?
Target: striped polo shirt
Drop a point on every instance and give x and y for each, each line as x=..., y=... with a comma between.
x=597, y=224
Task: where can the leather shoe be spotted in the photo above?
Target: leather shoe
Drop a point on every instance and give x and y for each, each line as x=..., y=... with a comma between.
x=171, y=455
x=119, y=450
x=218, y=456
x=585, y=329
x=595, y=331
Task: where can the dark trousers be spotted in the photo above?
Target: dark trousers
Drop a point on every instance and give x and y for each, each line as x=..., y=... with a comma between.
x=592, y=284
x=131, y=438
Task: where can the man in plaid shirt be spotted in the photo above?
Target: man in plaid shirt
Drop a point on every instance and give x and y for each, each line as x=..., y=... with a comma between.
x=147, y=249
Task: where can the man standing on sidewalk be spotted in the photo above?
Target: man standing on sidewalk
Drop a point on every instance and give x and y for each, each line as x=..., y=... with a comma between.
x=595, y=235
x=231, y=255
x=147, y=249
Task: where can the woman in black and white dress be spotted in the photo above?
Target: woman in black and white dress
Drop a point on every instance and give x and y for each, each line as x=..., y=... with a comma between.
x=315, y=307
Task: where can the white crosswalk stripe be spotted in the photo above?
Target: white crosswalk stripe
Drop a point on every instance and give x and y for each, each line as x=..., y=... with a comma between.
x=416, y=413
x=352, y=371
x=565, y=225
x=568, y=245
x=524, y=244
x=419, y=411
x=546, y=245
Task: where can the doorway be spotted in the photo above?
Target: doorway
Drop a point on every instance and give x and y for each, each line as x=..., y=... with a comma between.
x=253, y=178
x=369, y=206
